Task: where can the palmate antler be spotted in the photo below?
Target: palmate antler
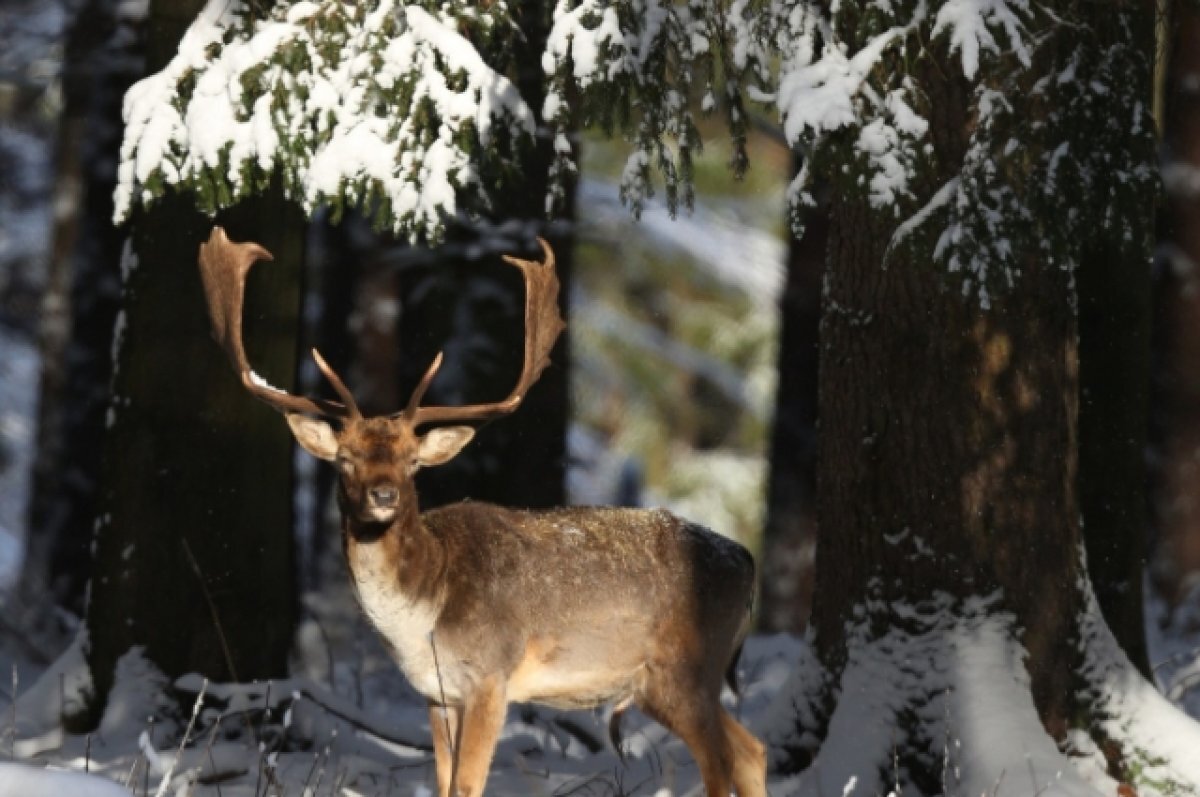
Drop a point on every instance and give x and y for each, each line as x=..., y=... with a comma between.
x=543, y=324
x=223, y=269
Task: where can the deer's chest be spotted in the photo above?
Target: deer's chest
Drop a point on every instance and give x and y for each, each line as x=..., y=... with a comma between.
x=406, y=624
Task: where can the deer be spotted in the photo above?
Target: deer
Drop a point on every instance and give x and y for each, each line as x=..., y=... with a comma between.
x=482, y=605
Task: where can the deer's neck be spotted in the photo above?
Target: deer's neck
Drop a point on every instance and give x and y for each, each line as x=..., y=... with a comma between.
x=398, y=563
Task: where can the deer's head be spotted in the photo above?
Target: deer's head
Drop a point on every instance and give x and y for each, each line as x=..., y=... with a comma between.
x=376, y=457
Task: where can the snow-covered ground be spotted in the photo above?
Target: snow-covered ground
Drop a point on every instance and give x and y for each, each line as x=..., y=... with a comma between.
x=346, y=724
x=1173, y=639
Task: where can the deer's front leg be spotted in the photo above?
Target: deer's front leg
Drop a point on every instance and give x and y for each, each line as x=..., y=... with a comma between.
x=446, y=727
x=482, y=718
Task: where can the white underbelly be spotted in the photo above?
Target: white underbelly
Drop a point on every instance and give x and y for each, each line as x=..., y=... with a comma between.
x=573, y=685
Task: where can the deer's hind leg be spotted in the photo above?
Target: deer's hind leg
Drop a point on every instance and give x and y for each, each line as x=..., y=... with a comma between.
x=749, y=758
x=693, y=713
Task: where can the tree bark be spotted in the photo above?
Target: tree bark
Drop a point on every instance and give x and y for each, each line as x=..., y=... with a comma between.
x=790, y=531
x=949, y=439
x=79, y=308
x=1177, y=322
x=960, y=481
x=1114, y=371
x=1113, y=285
x=194, y=542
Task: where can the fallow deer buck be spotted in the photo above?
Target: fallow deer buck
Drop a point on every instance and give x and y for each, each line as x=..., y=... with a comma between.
x=483, y=605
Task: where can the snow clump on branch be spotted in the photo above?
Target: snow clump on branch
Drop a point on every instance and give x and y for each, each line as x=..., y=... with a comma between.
x=375, y=105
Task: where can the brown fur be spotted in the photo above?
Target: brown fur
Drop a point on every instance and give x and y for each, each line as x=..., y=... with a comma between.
x=573, y=607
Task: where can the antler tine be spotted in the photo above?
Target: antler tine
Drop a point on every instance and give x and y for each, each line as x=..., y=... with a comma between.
x=543, y=324
x=339, y=386
x=414, y=401
x=223, y=269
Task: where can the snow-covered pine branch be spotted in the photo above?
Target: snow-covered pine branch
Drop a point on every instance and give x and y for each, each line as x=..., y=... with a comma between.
x=850, y=99
x=631, y=66
x=385, y=107
x=406, y=111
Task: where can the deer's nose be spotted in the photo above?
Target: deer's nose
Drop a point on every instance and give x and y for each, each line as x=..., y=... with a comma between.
x=384, y=495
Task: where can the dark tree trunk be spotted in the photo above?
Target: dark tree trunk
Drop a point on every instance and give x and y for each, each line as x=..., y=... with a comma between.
x=1177, y=323
x=1113, y=285
x=790, y=533
x=1114, y=373
x=194, y=542
x=80, y=305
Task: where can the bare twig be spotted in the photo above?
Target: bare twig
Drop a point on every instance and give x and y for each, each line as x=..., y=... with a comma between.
x=362, y=722
x=166, y=781
x=212, y=737
x=220, y=629
x=129, y=779
x=212, y=609
x=16, y=681
x=445, y=716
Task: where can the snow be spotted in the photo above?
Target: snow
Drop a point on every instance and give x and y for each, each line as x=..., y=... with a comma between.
x=351, y=122
x=968, y=23
x=963, y=677
x=371, y=739
x=21, y=780
x=1163, y=739
x=572, y=41
x=818, y=97
x=997, y=744
x=960, y=669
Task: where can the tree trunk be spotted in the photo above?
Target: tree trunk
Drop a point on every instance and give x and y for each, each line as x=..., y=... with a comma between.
x=949, y=489
x=80, y=307
x=790, y=531
x=194, y=542
x=974, y=461
x=1177, y=323
x=1114, y=372
x=1113, y=285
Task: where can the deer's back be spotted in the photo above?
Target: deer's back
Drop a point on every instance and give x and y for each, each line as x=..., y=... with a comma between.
x=524, y=559
x=578, y=601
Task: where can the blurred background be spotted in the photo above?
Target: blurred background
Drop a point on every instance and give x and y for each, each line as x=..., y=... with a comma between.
x=669, y=376
x=669, y=383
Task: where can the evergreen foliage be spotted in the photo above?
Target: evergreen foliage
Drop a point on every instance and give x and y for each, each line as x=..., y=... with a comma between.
x=410, y=112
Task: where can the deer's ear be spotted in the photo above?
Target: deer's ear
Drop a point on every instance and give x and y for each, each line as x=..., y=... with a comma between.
x=442, y=445
x=314, y=436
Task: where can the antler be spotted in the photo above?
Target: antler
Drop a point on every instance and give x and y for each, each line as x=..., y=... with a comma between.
x=542, y=327
x=223, y=269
